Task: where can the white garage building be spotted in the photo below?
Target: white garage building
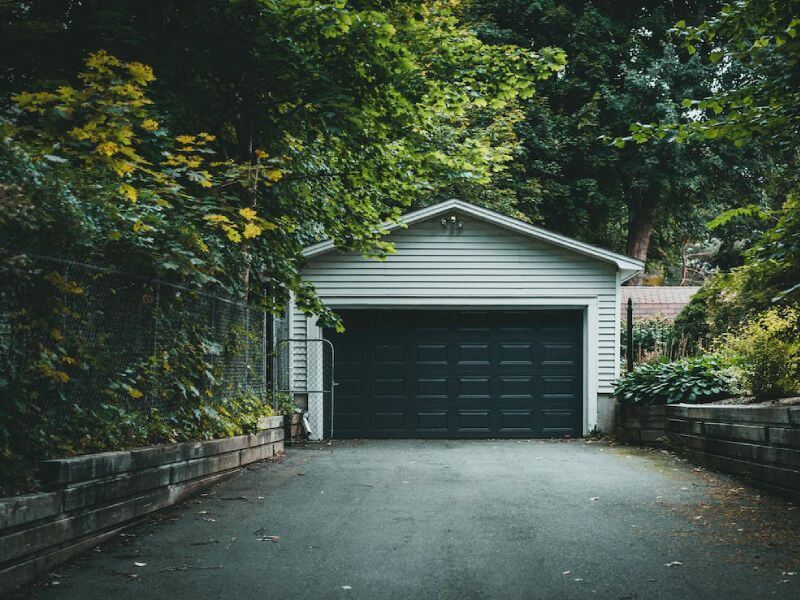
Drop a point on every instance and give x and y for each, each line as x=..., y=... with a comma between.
x=480, y=325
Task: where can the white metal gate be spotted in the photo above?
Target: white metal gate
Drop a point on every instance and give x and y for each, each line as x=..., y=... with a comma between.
x=305, y=367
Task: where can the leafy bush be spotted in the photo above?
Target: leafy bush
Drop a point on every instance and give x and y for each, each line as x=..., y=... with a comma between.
x=692, y=323
x=729, y=300
x=651, y=333
x=655, y=338
x=703, y=378
x=767, y=351
x=108, y=427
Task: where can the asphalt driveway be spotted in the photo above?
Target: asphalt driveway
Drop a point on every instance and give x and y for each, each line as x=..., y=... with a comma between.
x=455, y=519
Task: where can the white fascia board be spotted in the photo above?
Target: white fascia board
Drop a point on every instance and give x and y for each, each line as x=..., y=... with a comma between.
x=627, y=265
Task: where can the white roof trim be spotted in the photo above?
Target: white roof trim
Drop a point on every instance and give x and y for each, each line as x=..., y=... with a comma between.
x=628, y=266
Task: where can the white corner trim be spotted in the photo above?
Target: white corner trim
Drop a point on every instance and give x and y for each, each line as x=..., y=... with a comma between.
x=290, y=329
x=590, y=351
x=628, y=265
x=617, y=324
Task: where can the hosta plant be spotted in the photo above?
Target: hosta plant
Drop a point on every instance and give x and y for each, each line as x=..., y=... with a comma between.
x=695, y=380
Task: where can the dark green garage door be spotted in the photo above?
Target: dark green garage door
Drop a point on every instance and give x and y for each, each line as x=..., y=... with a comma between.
x=429, y=373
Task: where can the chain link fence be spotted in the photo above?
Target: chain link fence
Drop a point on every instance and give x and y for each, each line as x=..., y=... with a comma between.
x=304, y=367
x=74, y=334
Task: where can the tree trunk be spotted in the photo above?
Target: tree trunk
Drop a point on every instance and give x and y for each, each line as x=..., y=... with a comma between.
x=641, y=223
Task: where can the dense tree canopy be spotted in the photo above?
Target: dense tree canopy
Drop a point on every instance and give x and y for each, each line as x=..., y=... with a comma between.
x=349, y=111
x=759, y=40
x=622, y=66
x=327, y=118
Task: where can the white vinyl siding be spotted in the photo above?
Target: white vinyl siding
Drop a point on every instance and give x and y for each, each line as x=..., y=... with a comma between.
x=481, y=260
x=299, y=331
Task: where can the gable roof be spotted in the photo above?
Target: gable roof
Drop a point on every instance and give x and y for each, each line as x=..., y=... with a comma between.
x=666, y=300
x=627, y=266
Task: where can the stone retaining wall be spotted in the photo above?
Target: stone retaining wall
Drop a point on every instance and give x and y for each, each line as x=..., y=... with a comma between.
x=640, y=424
x=761, y=443
x=293, y=427
x=90, y=498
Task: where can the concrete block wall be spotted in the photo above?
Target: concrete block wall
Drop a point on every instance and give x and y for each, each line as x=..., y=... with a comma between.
x=293, y=427
x=641, y=424
x=90, y=498
x=760, y=443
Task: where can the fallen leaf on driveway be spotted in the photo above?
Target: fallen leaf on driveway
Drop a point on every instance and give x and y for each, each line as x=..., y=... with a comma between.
x=674, y=563
x=187, y=567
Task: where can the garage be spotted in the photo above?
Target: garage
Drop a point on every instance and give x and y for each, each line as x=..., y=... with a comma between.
x=476, y=325
x=433, y=374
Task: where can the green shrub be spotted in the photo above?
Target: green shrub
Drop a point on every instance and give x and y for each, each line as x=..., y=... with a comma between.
x=767, y=351
x=655, y=338
x=651, y=334
x=692, y=323
x=699, y=379
x=109, y=427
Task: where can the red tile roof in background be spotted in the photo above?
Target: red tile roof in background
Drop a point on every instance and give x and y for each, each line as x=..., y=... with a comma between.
x=664, y=300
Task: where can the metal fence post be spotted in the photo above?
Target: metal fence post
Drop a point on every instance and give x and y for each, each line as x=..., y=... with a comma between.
x=264, y=349
x=629, y=336
x=246, y=344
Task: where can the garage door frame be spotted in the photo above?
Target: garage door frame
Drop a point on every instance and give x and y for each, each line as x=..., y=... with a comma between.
x=588, y=305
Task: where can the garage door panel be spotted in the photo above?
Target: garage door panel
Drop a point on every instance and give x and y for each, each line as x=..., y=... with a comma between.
x=559, y=354
x=432, y=388
x=427, y=333
x=557, y=422
x=458, y=374
x=349, y=421
x=518, y=353
x=389, y=421
x=431, y=354
x=517, y=387
x=349, y=388
x=473, y=354
x=432, y=421
x=474, y=421
x=473, y=387
x=390, y=355
x=389, y=388
x=560, y=385
x=516, y=420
